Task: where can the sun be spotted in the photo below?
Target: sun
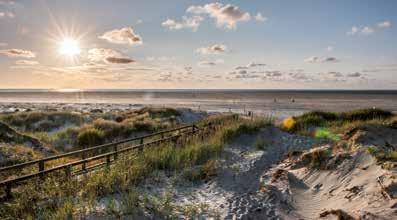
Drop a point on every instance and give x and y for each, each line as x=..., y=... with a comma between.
x=69, y=47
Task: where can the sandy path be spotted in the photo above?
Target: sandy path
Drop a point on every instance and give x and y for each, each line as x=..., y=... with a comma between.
x=234, y=192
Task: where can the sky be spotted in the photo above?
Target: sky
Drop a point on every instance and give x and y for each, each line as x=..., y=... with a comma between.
x=175, y=44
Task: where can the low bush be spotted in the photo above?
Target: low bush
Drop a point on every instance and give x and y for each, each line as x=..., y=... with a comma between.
x=90, y=137
x=42, y=121
x=305, y=123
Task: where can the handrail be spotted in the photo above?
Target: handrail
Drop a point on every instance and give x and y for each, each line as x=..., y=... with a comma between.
x=75, y=163
x=21, y=165
x=9, y=183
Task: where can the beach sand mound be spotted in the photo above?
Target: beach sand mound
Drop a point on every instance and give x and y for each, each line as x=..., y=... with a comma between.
x=235, y=191
x=355, y=187
x=10, y=136
x=381, y=136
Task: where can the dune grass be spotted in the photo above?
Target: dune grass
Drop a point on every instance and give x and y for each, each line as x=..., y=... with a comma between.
x=335, y=122
x=42, y=121
x=59, y=197
x=63, y=130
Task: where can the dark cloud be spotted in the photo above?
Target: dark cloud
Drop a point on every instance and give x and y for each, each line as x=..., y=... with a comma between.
x=18, y=53
x=315, y=59
x=119, y=60
x=256, y=64
x=356, y=74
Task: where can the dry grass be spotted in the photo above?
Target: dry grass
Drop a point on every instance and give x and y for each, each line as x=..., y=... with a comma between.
x=60, y=198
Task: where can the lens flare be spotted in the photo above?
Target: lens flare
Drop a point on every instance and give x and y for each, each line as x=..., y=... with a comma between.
x=69, y=47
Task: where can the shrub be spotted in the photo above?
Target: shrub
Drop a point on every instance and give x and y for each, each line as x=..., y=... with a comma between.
x=304, y=123
x=42, y=121
x=365, y=114
x=90, y=137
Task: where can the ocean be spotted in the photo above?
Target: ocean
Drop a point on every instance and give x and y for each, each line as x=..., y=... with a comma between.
x=271, y=102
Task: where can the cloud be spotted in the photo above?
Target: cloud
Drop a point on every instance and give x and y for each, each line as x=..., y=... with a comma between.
x=119, y=60
x=315, y=59
x=26, y=62
x=259, y=17
x=214, y=49
x=330, y=60
x=192, y=23
x=330, y=48
x=122, y=36
x=241, y=68
x=356, y=74
x=335, y=74
x=225, y=15
x=100, y=54
x=108, y=56
x=384, y=24
x=273, y=73
x=206, y=63
x=253, y=64
x=7, y=14
x=18, y=53
x=367, y=30
x=358, y=30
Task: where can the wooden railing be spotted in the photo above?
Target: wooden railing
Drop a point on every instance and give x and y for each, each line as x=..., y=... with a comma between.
x=114, y=149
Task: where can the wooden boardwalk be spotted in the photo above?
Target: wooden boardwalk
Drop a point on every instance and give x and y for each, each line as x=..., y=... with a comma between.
x=88, y=159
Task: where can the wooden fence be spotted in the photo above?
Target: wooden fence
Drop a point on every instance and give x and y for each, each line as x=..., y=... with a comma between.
x=93, y=156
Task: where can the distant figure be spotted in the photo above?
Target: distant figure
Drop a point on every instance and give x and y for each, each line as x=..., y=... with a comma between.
x=292, y=100
x=275, y=100
x=199, y=107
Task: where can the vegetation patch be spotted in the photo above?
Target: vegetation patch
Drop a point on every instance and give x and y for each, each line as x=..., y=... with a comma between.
x=328, y=124
x=58, y=197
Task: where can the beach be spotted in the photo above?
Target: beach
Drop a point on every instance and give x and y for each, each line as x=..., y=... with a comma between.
x=277, y=103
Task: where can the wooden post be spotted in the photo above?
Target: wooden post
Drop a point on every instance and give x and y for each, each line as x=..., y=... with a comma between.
x=41, y=168
x=115, y=149
x=68, y=171
x=83, y=165
x=108, y=160
x=8, y=191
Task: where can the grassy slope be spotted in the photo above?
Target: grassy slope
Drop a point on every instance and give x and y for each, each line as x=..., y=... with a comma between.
x=57, y=198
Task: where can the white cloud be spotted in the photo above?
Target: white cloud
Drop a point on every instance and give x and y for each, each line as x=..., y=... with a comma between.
x=225, y=15
x=122, y=36
x=353, y=31
x=361, y=30
x=214, y=49
x=384, y=24
x=259, y=17
x=18, y=53
x=192, y=23
x=330, y=48
x=26, y=62
x=7, y=14
x=367, y=30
